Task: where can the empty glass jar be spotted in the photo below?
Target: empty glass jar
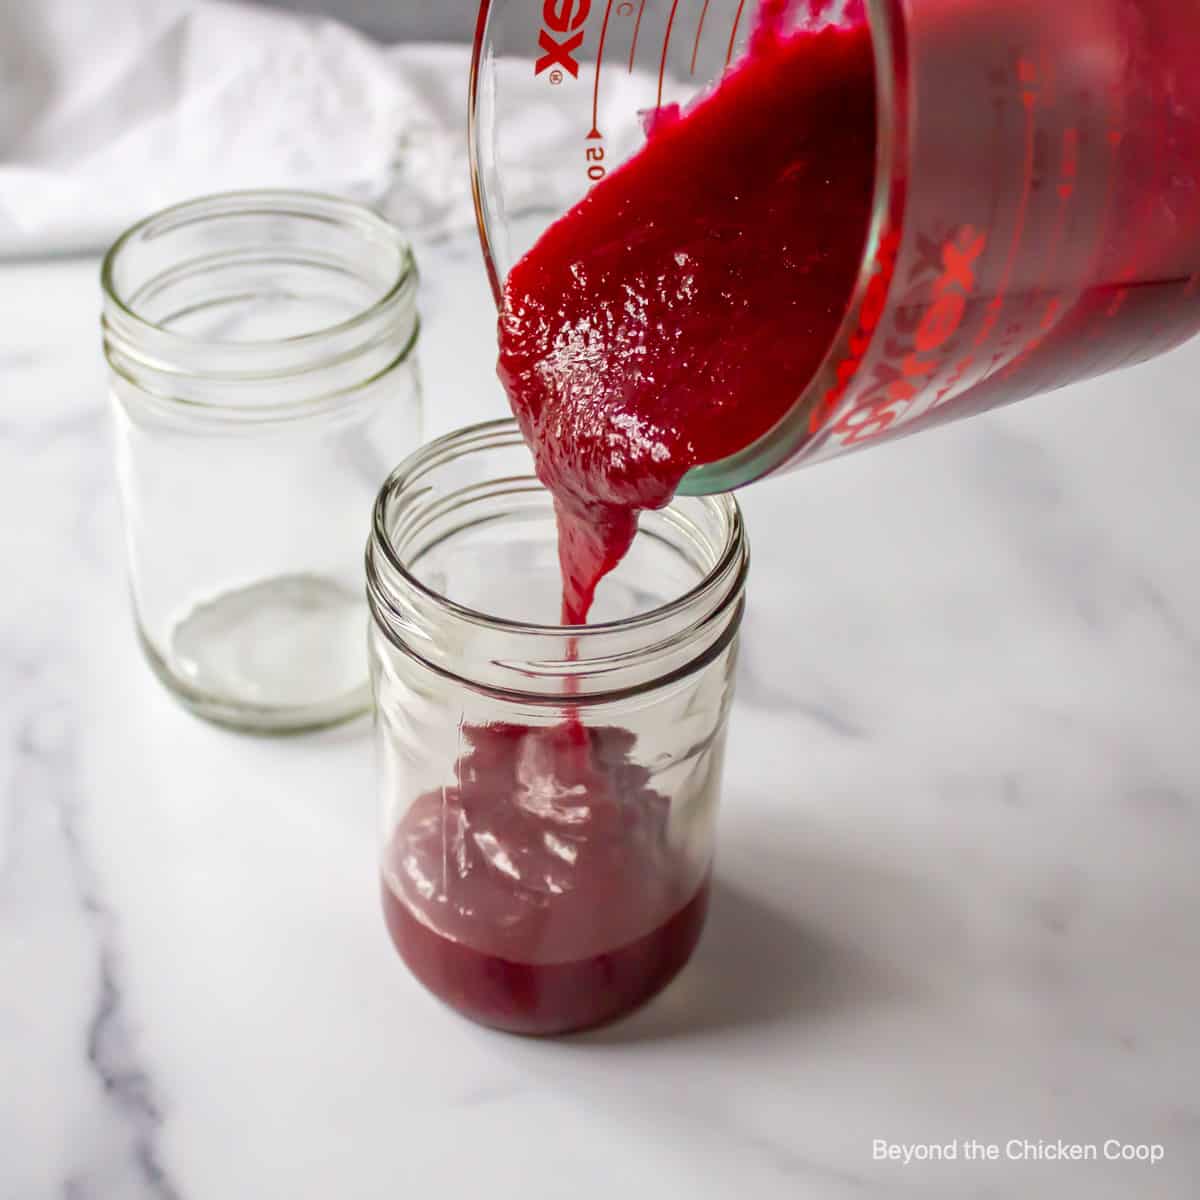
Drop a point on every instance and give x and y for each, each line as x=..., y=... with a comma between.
x=262, y=354
x=549, y=794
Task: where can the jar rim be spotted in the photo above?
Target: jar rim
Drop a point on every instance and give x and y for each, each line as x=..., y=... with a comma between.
x=731, y=566
x=254, y=201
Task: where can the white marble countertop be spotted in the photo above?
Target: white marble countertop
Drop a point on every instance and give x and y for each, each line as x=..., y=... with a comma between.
x=959, y=894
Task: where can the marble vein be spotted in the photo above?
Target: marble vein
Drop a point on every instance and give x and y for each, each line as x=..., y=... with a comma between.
x=45, y=749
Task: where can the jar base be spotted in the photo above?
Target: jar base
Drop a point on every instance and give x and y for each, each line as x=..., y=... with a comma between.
x=283, y=655
x=546, y=999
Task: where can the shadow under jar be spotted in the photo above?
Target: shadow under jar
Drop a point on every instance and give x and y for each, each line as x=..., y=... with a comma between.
x=549, y=793
x=262, y=354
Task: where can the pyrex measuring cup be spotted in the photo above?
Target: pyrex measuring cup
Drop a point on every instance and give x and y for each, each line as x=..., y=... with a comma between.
x=1036, y=214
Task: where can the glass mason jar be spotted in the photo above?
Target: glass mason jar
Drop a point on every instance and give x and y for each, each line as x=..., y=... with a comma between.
x=548, y=793
x=262, y=354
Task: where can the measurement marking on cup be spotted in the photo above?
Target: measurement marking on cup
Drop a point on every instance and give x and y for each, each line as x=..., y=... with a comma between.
x=595, y=133
x=737, y=20
x=1055, y=302
x=1028, y=79
x=637, y=28
x=662, y=63
x=699, y=31
x=1066, y=192
x=1066, y=189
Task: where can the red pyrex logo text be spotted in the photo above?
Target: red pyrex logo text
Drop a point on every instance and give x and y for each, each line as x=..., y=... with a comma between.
x=562, y=35
x=902, y=377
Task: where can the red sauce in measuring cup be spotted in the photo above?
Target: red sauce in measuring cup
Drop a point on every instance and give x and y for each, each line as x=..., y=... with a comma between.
x=673, y=315
x=1042, y=227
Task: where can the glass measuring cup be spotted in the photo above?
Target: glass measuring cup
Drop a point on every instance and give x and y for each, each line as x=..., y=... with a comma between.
x=1036, y=211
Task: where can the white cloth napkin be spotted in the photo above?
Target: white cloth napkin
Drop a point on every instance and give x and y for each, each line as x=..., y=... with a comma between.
x=111, y=111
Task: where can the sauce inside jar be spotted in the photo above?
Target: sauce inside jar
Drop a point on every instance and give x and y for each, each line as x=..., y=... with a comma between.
x=542, y=893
